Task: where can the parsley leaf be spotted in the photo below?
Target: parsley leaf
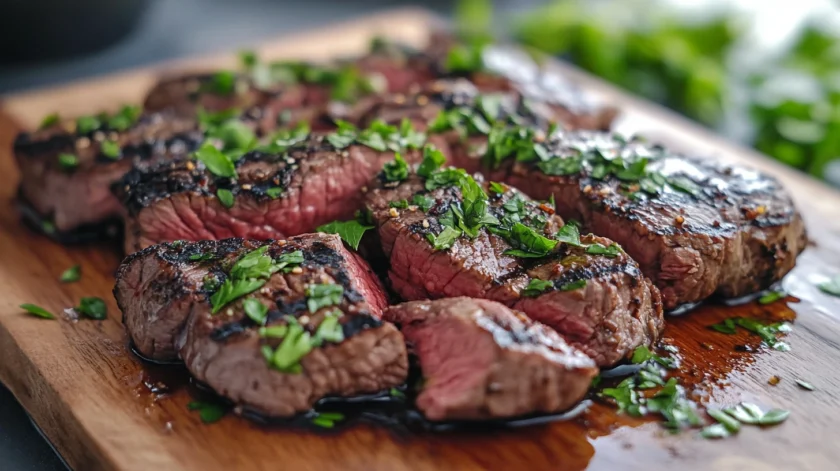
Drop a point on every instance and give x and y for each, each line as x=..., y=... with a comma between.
x=536, y=287
x=225, y=197
x=209, y=412
x=323, y=295
x=330, y=329
x=569, y=234
x=37, y=311
x=445, y=239
x=573, y=285
x=256, y=310
x=110, y=149
x=68, y=161
x=71, y=274
x=397, y=170
x=50, y=120
x=831, y=286
x=726, y=327
x=424, y=202
x=216, y=162
x=351, y=232
x=93, y=307
x=432, y=161
x=599, y=249
x=528, y=243
x=771, y=297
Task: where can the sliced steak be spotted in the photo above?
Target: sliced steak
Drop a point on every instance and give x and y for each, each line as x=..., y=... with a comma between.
x=276, y=195
x=599, y=303
x=67, y=171
x=695, y=226
x=480, y=360
x=303, y=345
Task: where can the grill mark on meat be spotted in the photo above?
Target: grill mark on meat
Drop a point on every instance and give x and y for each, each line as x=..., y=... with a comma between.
x=608, y=318
x=223, y=350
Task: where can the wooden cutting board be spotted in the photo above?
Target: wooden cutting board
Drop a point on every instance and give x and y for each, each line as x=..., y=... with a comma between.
x=95, y=401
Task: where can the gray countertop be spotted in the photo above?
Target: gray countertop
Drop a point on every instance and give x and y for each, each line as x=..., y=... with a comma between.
x=171, y=29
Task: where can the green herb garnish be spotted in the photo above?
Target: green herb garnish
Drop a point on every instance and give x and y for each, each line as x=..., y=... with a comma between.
x=87, y=124
x=572, y=285
x=37, y=311
x=536, y=287
x=68, y=161
x=295, y=345
x=110, y=149
x=209, y=412
x=327, y=419
x=225, y=197
x=569, y=234
x=50, y=120
x=528, y=243
x=216, y=162
x=249, y=274
x=445, y=239
x=598, y=249
x=831, y=286
x=726, y=327
x=433, y=159
x=274, y=192
x=395, y=171
x=771, y=297
x=330, y=329
x=323, y=295
x=93, y=307
x=351, y=232
x=256, y=310
x=71, y=274
x=424, y=202
x=124, y=118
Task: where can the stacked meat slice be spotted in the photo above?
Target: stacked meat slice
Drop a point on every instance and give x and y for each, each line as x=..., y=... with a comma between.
x=271, y=326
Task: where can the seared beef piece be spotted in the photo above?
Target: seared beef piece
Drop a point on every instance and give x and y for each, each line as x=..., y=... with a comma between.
x=278, y=105
x=276, y=195
x=165, y=296
x=613, y=313
x=715, y=229
x=480, y=360
x=77, y=193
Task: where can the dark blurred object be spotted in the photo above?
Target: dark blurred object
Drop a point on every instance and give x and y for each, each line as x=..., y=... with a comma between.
x=36, y=30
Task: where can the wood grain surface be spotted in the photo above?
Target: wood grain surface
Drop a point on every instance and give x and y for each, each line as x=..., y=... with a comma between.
x=102, y=408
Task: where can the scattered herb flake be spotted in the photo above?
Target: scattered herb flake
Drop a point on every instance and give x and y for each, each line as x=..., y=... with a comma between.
x=225, y=197
x=573, y=285
x=209, y=412
x=351, y=232
x=37, y=311
x=831, y=286
x=216, y=162
x=68, y=161
x=725, y=327
x=599, y=249
x=71, y=274
x=445, y=239
x=397, y=170
x=771, y=297
x=323, y=295
x=433, y=159
x=274, y=192
x=93, y=307
x=256, y=310
x=536, y=287
x=110, y=149
x=49, y=121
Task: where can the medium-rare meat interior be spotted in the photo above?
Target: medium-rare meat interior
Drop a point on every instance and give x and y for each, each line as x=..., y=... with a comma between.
x=481, y=360
x=272, y=326
x=696, y=227
x=446, y=234
x=275, y=191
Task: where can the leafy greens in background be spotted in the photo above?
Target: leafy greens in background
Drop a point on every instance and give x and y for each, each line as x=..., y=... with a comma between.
x=690, y=63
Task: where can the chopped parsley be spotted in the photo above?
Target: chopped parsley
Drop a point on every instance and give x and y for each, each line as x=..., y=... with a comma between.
x=327, y=419
x=599, y=249
x=344, y=135
x=831, y=286
x=767, y=332
x=87, y=124
x=323, y=295
x=498, y=188
x=351, y=231
x=225, y=197
x=71, y=274
x=573, y=285
x=124, y=118
x=296, y=344
x=560, y=166
x=379, y=136
x=50, y=120
x=283, y=139
x=255, y=310
x=528, y=243
x=395, y=171
x=68, y=161
x=202, y=257
x=221, y=83
x=93, y=307
x=464, y=120
x=569, y=234
x=433, y=159
x=235, y=135
x=250, y=273
x=729, y=420
x=464, y=58
x=110, y=149
x=423, y=202
x=445, y=239
x=37, y=311
x=771, y=297
x=274, y=192
x=209, y=412
x=536, y=287
x=216, y=162
x=330, y=330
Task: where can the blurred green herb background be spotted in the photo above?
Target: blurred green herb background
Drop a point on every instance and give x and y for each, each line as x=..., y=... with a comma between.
x=703, y=62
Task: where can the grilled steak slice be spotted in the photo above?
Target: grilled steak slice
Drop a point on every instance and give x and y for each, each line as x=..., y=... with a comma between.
x=67, y=169
x=480, y=360
x=301, y=344
x=277, y=194
x=599, y=303
x=696, y=227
